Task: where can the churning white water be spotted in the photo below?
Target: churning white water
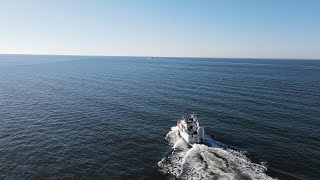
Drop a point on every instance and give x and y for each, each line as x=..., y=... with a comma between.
x=211, y=161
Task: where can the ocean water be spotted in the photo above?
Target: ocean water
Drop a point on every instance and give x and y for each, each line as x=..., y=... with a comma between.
x=85, y=117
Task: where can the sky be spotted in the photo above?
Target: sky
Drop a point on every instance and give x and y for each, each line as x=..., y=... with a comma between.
x=178, y=28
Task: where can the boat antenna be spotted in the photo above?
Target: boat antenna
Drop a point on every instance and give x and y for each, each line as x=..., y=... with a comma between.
x=182, y=113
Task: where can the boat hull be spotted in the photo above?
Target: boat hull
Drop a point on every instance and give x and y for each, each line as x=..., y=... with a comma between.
x=193, y=138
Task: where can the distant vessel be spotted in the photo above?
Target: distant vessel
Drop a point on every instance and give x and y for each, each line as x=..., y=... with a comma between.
x=190, y=130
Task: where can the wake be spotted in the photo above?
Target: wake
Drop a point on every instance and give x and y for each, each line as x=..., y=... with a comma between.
x=211, y=161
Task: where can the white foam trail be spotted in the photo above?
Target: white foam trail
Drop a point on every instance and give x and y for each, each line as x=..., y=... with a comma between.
x=207, y=162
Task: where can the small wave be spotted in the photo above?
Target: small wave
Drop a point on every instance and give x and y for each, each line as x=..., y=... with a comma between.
x=211, y=161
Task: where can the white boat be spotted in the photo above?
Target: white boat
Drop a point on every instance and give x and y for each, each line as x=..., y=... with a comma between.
x=190, y=130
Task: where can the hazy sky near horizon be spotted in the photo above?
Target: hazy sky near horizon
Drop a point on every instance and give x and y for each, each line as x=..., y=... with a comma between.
x=188, y=28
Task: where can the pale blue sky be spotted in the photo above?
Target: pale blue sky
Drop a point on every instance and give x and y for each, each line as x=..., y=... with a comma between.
x=188, y=28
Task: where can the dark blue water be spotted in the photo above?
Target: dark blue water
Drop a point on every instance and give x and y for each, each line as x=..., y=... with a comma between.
x=107, y=117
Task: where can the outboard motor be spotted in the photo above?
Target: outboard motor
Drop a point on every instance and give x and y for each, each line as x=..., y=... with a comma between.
x=201, y=134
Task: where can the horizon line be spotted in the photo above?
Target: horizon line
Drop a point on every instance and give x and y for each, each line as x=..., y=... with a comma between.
x=143, y=56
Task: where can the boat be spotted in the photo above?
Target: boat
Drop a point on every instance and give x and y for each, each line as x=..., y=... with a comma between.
x=190, y=130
